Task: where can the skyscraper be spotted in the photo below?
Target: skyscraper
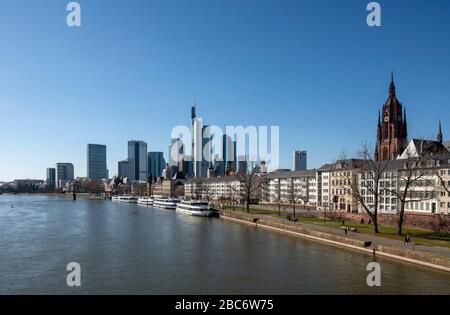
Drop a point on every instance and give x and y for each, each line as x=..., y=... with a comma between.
x=64, y=173
x=138, y=160
x=124, y=169
x=229, y=153
x=51, y=178
x=193, y=117
x=201, y=146
x=242, y=164
x=206, y=161
x=226, y=162
x=299, y=162
x=156, y=163
x=176, y=151
x=96, y=161
x=186, y=166
x=197, y=146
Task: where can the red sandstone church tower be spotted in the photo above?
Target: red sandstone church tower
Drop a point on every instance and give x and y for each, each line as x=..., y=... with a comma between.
x=392, y=131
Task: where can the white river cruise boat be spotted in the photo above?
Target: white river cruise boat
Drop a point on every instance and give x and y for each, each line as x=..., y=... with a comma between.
x=127, y=199
x=146, y=201
x=166, y=203
x=195, y=208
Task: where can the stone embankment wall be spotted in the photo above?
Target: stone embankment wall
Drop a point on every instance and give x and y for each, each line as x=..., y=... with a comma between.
x=394, y=252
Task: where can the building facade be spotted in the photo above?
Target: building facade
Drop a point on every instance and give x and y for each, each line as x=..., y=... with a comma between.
x=50, y=180
x=344, y=176
x=135, y=168
x=96, y=162
x=225, y=189
x=138, y=157
x=64, y=174
x=444, y=187
x=290, y=187
x=242, y=164
x=124, y=169
x=427, y=195
x=299, y=161
x=225, y=163
x=156, y=164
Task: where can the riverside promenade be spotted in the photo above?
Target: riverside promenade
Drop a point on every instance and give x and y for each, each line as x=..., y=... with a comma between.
x=429, y=256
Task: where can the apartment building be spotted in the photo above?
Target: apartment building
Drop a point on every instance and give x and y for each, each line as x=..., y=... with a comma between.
x=288, y=187
x=219, y=188
x=427, y=194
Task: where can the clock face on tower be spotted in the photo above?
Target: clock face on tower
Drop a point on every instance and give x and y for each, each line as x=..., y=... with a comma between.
x=386, y=118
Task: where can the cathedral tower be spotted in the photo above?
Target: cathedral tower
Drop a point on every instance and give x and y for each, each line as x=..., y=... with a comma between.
x=392, y=130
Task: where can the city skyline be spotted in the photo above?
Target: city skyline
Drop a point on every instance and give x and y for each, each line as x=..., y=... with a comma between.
x=310, y=96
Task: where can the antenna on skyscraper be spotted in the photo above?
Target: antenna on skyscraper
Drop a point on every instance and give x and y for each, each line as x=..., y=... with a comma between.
x=193, y=109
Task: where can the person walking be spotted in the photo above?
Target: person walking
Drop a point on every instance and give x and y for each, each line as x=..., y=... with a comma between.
x=407, y=239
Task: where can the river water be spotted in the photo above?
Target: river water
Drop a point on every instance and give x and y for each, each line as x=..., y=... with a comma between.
x=132, y=249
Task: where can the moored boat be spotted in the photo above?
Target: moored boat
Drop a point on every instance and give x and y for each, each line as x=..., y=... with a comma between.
x=146, y=201
x=126, y=199
x=166, y=203
x=196, y=208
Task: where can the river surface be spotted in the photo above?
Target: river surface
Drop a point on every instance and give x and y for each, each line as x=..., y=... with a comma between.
x=132, y=249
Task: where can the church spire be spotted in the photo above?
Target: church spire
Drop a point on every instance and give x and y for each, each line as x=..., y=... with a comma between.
x=392, y=85
x=439, y=137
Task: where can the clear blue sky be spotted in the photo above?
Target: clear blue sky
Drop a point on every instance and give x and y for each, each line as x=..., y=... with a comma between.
x=134, y=67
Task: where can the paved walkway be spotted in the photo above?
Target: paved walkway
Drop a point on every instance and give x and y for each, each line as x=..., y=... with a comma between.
x=440, y=251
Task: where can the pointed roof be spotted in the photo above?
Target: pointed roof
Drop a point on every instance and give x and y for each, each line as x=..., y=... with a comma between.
x=429, y=147
x=439, y=136
x=392, y=85
x=392, y=104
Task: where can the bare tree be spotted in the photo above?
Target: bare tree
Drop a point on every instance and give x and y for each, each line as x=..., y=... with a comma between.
x=231, y=195
x=142, y=189
x=249, y=183
x=445, y=185
x=371, y=173
x=149, y=186
x=296, y=195
x=412, y=174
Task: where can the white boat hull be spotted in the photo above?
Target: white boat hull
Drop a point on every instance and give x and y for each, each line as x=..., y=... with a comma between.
x=124, y=199
x=128, y=201
x=168, y=207
x=145, y=202
x=196, y=213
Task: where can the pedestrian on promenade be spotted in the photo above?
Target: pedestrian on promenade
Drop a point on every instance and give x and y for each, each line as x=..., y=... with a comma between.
x=407, y=239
